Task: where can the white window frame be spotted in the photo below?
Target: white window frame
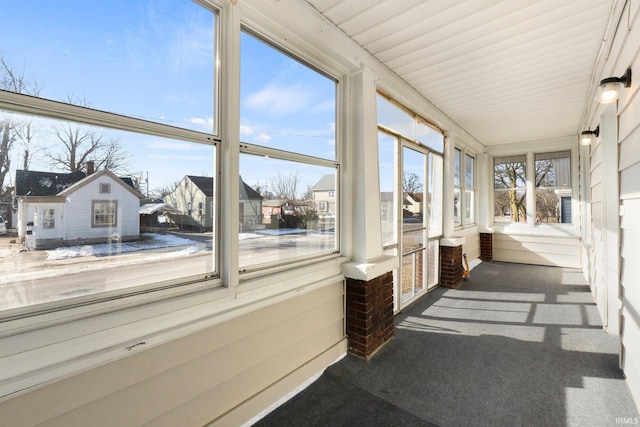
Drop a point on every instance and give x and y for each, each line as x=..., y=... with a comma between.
x=462, y=189
x=561, y=144
x=46, y=345
x=275, y=153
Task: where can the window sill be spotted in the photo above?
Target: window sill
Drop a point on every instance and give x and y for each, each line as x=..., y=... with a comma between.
x=45, y=348
x=548, y=230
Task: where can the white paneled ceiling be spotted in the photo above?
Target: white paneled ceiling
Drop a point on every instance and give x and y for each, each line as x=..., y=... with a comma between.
x=505, y=70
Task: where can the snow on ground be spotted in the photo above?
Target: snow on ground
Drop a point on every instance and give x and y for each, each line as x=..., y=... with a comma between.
x=148, y=241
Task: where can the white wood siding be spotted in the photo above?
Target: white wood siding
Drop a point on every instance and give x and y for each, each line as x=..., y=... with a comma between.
x=78, y=213
x=471, y=246
x=625, y=159
x=629, y=168
x=226, y=373
x=536, y=249
x=596, y=257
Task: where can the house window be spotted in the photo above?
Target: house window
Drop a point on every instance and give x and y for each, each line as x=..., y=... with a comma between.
x=287, y=156
x=137, y=105
x=104, y=213
x=553, y=187
x=464, y=191
x=48, y=218
x=510, y=195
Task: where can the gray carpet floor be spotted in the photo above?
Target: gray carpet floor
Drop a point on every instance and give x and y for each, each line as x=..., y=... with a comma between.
x=514, y=345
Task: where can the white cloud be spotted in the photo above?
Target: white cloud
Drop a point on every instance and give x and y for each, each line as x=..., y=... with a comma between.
x=205, y=123
x=246, y=130
x=262, y=137
x=279, y=100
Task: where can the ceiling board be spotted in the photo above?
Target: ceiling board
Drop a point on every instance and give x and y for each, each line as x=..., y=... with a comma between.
x=504, y=70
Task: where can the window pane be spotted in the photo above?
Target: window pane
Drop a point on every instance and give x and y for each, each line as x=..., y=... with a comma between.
x=287, y=210
x=469, y=168
x=469, y=207
x=394, y=117
x=413, y=181
x=456, y=167
x=86, y=241
x=155, y=62
x=456, y=206
x=409, y=125
x=433, y=263
x=510, y=172
x=435, y=194
x=429, y=136
x=510, y=206
x=387, y=157
x=553, y=169
x=412, y=241
x=285, y=104
x=553, y=206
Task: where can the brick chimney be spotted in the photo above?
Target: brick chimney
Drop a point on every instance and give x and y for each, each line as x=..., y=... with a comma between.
x=91, y=167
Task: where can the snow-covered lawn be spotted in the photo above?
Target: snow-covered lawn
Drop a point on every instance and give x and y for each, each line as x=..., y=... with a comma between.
x=147, y=241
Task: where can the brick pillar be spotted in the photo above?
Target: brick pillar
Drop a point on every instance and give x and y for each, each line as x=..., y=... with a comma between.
x=486, y=246
x=369, y=314
x=451, y=266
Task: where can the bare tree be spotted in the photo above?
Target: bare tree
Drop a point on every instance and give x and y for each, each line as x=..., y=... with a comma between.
x=82, y=143
x=511, y=175
x=11, y=129
x=411, y=183
x=285, y=187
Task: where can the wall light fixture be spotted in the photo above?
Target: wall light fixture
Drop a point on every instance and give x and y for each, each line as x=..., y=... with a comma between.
x=609, y=88
x=589, y=136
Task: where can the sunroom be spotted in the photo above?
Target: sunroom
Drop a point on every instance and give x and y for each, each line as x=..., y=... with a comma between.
x=445, y=134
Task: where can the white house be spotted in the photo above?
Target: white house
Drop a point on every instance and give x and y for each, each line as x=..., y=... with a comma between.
x=53, y=210
x=193, y=198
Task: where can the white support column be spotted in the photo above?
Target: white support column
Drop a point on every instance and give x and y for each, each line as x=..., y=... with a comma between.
x=228, y=163
x=611, y=220
x=485, y=193
x=530, y=202
x=447, y=208
x=364, y=182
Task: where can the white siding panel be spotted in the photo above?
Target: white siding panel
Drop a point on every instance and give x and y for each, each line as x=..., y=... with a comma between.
x=205, y=374
x=471, y=246
x=631, y=218
x=625, y=52
x=630, y=182
x=543, y=250
x=630, y=150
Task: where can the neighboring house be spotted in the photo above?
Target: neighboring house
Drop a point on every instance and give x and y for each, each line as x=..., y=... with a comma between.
x=412, y=204
x=153, y=216
x=193, y=198
x=57, y=209
x=324, y=195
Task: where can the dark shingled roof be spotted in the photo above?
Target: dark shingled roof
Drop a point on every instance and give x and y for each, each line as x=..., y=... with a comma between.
x=205, y=184
x=34, y=183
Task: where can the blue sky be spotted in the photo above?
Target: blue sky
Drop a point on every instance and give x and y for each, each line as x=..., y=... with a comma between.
x=154, y=59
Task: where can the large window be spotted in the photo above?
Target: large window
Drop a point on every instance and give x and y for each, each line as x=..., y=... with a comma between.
x=411, y=191
x=510, y=195
x=289, y=187
x=553, y=187
x=126, y=94
x=547, y=174
x=464, y=191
